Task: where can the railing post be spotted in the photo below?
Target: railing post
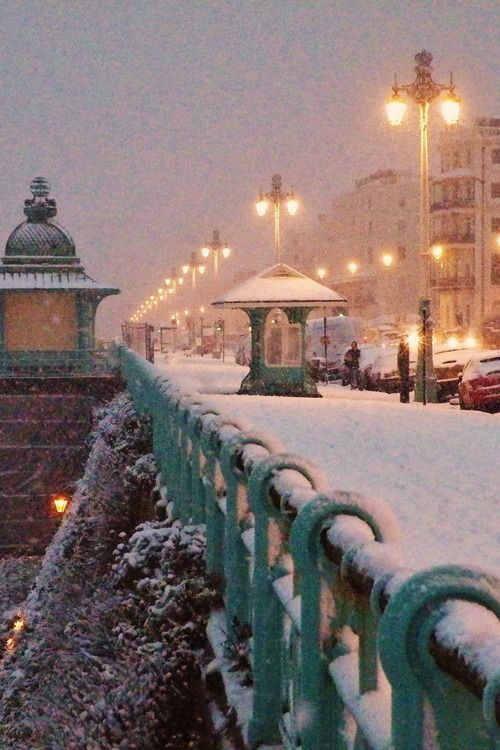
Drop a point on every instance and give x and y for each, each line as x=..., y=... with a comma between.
x=325, y=725
x=267, y=615
x=405, y=629
x=214, y=516
x=237, y=520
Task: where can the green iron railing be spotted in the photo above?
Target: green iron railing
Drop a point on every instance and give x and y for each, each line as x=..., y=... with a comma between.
x=348, y=649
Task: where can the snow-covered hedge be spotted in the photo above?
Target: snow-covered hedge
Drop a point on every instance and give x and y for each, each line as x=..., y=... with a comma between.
x=108, y=654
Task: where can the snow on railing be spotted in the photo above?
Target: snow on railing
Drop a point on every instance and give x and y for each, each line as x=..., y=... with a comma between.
x=346, y=647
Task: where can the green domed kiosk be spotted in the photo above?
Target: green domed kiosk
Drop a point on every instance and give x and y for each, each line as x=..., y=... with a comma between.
x=47, y=301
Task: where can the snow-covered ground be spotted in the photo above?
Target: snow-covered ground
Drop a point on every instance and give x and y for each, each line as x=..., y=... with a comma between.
x=436, y=466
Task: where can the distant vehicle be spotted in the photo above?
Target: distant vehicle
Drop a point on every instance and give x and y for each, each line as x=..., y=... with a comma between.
x=383, y=375
x=479, y=386
x=448, y=366
x=317, y=370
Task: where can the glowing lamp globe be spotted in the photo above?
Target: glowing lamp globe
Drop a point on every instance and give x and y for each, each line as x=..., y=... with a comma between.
x=352, y=267
x=205, y=252
x=387, y=260
x=185, y=268
x=321, y=273
x=396, y=110
x=452, y=341
x=292, y=206
x=60, y=502
x=437, y=252
x=261, y=206
x=450, y=109
x=201, y=268
x=226, y=251
x=470, y=342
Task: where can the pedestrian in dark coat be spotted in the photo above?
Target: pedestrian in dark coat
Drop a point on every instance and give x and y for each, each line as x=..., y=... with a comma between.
x=404, y=370
x=351, y=361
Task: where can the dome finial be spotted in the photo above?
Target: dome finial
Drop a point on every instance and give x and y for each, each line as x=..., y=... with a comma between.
x=40, y=208
x=40, y=187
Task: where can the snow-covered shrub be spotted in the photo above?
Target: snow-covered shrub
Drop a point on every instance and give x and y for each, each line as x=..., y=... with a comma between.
x=169, y=600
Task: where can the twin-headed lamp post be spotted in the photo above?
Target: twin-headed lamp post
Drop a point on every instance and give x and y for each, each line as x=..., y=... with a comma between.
x=216, y=247
x=276, y=198
x=423, y=91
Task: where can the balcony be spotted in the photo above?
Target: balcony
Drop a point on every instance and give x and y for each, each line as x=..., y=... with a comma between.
x=454, y=238
x=459, y=202
x=451, y=282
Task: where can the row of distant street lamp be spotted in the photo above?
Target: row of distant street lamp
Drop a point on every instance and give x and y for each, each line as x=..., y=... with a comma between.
x=175, y=281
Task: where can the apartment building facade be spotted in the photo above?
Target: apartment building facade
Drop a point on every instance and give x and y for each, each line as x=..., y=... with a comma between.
x=465, y=222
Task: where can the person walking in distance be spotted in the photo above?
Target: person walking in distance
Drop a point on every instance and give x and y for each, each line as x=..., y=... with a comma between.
x=351, y=361
x=404, y=370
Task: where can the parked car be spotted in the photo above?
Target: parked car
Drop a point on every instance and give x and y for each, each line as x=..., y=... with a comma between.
x=448, y=366
x=383, y=375
x=479, y=386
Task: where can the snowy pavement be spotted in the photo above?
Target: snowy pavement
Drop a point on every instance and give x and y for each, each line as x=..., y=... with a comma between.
x=436, y=466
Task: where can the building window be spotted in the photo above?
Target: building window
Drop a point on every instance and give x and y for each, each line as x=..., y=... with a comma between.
x=401, y=253
x=402, y=202
x=369, y=254
x=468, y=157
x=495, y=268
x=495, y=155
x=495, y=224
x=370, y=227
x=401, y=226
x=495, y=189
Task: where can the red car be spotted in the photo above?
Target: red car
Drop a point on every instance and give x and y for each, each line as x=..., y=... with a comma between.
x=479, y=386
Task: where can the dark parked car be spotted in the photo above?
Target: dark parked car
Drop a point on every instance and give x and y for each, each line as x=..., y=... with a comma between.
x=448, y=366
x=479, y=386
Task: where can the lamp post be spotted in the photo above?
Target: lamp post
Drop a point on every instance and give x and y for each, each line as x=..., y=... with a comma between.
x=276, y=198
x=423, y=91
x=215, y=247
x=202, y=311
x=193, y=266
x=321, y=272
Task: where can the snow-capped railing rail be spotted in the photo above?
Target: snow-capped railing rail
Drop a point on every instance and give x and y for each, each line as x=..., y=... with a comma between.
x=348, y=649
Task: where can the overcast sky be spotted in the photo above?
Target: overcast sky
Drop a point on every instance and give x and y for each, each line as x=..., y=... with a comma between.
x=157, y=121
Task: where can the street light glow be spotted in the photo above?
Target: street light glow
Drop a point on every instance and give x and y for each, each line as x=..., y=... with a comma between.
x=437, y=252
x=352, y=267
x=450, y=109
x=262, y=205
x=396, y=109
x=292, y=206
x=185, y=268
x=387, y=260
x=321, y=272
x=205, y=251
x=226, y=251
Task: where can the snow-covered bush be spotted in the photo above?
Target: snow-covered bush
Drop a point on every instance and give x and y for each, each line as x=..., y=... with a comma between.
x=109, y=654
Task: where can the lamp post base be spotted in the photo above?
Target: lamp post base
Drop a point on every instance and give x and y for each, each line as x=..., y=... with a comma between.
x=425, y=379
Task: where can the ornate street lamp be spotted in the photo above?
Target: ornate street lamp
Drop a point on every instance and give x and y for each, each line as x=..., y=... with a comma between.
x=321, y=273
x=276, y=198
x=423, y=91
x=215, y=247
